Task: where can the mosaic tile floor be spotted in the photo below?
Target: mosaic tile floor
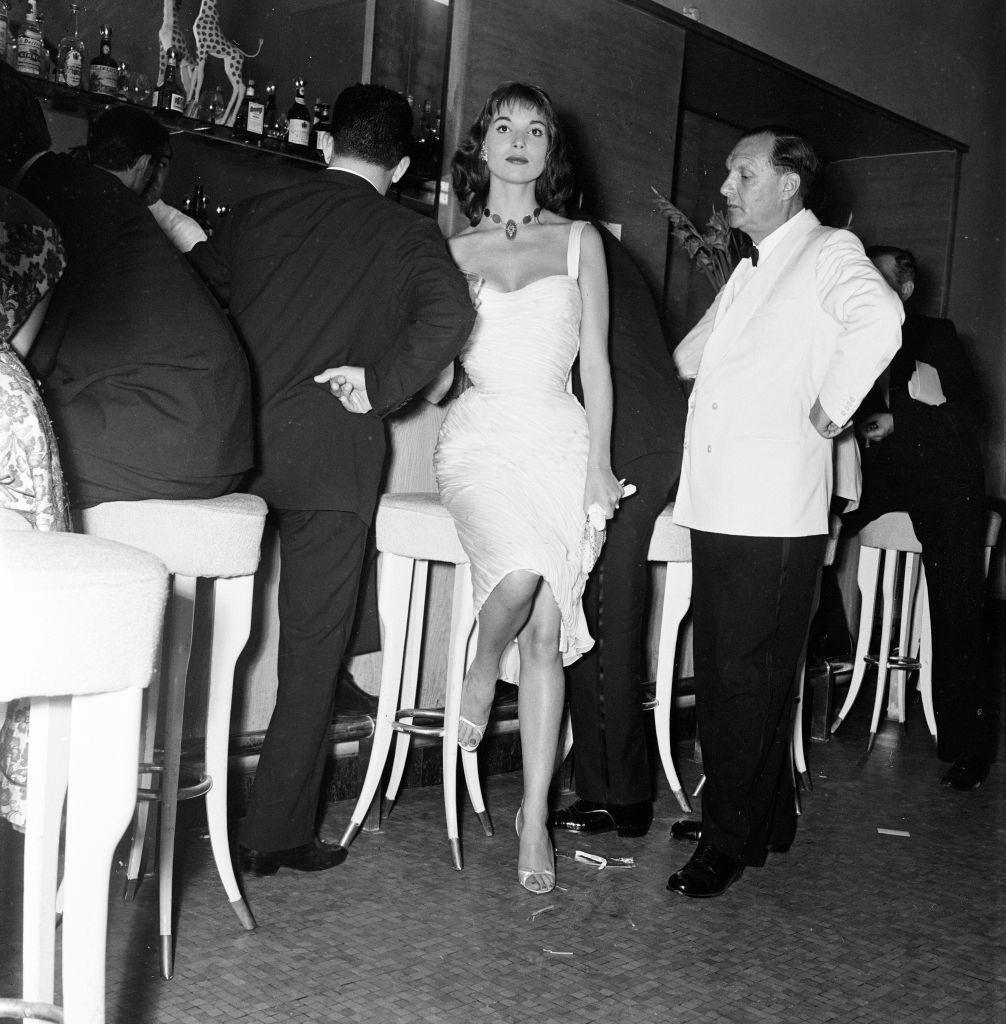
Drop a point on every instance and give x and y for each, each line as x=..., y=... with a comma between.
x=851, y=925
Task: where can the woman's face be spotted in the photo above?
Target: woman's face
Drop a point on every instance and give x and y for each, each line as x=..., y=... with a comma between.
x=517, y=144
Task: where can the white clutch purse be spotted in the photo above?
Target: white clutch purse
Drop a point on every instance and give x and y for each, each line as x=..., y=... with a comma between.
x=594, y=531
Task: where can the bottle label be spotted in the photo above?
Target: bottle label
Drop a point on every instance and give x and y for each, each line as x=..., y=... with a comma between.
x=29, y=55
x=177, y=103
x=70, y=73
x=256, y=117
x=103, y=79
x=298, y=132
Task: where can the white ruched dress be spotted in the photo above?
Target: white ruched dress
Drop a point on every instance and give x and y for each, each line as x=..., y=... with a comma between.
x=511, y=459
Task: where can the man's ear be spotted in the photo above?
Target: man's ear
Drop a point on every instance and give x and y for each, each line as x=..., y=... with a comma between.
x=400, y=168
x=791, y=184
x=140, y=172
x=906, y=290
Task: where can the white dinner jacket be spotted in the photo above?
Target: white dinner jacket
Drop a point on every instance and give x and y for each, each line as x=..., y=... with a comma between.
x=815, y=320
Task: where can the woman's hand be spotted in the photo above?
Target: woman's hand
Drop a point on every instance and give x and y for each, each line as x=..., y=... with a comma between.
x=603, y=490
x=349, y=385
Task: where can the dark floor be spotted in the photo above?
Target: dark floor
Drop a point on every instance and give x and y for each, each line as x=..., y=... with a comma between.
x=851, y=925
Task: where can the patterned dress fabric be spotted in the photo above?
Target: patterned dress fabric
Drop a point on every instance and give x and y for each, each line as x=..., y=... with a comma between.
x=511, y=459
x=31, y=483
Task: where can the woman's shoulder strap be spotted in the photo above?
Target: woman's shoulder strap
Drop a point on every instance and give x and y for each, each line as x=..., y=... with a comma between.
x=573, y=248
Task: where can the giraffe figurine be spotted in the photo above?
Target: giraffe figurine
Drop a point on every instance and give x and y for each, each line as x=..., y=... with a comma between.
x=171, y=35
x=211, y=42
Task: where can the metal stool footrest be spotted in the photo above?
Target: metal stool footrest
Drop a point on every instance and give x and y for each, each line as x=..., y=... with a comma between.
x=405, y=721
x=202, y=784
x=895, y=661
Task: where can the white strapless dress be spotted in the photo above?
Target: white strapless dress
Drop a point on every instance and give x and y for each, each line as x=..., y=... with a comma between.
x=511, y=459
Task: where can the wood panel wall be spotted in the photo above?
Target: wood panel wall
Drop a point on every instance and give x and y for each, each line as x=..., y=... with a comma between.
x=614, y=74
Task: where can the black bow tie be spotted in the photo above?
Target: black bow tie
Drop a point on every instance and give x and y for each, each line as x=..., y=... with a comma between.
x=749, y=251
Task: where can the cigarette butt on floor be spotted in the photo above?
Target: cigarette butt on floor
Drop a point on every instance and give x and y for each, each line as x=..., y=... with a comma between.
x=894, y=832
x=538, y=913
x=556, y=952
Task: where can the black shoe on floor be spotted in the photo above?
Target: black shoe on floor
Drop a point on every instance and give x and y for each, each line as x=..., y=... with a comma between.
x=967, y=772
x=709, y=873
x=589, y=818
x=314, y=856
x=351, y=698
x=691, y=831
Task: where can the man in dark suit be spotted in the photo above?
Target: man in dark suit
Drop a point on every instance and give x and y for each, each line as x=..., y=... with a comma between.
x=315, y=276
x=613, y=778
x=923, y=457
x=146, y=383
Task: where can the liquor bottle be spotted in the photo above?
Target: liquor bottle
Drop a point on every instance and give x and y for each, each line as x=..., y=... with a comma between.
x=29, y=43
x=70, y=64
x=47, y=66
x=312, y=141
x=249, y=123
x=170, y=98
x=324, y=132
x=298, y=122
x=274, y=122
x=104, y=72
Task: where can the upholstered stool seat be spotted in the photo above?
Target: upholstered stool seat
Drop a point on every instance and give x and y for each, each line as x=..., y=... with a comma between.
x=413, y=530
x=890, y=541
x=80, y=630
x=217, y=539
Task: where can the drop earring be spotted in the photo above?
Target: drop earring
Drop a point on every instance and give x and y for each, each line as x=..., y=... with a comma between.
x=484, y=153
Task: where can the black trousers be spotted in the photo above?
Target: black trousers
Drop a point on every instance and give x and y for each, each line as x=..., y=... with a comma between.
x=944, y=493
x=321, y=558
x=751, y=604
x=605, y=685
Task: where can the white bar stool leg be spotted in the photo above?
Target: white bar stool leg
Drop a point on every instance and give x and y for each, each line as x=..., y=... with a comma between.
x=461, y=618
x=141, y=817
x=393, y=598
x=925, y=630
x=103, y=755
x=677, y=598
x=897, y=696
x=866, y=575
x=47, y=772
x=410, y=675
x=232, y=611
x=797, y=752
x=182, y=604
x=887, y=621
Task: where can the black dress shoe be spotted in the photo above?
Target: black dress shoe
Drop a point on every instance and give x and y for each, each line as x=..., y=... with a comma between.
x=350, y=698
x=708, y=873
x=691, y=831
x=967, y=772
x=589, y=818
x=314, y=856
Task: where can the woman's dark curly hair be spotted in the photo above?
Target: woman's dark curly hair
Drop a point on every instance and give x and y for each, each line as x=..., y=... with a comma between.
x=470, y=175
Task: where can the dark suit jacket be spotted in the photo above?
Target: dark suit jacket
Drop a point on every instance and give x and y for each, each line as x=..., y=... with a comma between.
x=327, y=274
x=141, y=370
x=649, y=405
x=945, y=433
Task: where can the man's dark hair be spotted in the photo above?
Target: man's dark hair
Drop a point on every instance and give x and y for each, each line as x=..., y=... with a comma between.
x=790, y=152
x=121, y=135
x=469, y=173
x=23, y=131
x=904, y=262
x=372, y=123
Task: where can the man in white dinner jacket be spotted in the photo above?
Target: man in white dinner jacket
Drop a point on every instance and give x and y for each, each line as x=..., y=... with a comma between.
x=780, y=362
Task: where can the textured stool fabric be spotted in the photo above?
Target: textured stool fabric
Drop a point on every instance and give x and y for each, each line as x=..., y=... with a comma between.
x=670, y=542
x=211, y=537
x=80, y=614
x=893, y=530
x=418, y=526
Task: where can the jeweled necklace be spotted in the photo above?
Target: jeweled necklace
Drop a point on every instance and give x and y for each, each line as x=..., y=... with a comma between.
x=511, y=225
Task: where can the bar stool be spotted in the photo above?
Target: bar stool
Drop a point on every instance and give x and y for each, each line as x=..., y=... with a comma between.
x=412, y=531
x=890, y=539
x=80, y=630
x=219, y=539
x=670, y=544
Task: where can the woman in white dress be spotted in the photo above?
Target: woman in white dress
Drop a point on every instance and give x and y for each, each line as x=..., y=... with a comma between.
x=519, y=461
